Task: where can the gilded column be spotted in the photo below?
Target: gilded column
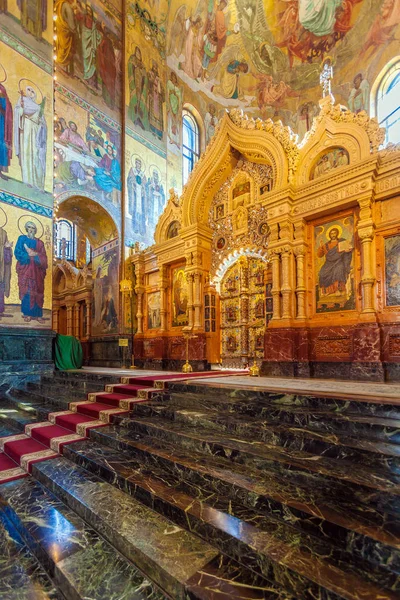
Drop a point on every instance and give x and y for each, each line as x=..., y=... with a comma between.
x=139, y=289
x=244, y=308
x=366, y=235
x=190, y=279
x=88, y=318
x=69, y=319
x=197, y=300
x=300, y=282
x=367, y=278
x=276, y=288
x=163, y=284
x=286, y=289
x=76, y=320
x=139, y=313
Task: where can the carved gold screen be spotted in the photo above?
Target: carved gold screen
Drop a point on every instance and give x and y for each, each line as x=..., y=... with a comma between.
x=243, y=314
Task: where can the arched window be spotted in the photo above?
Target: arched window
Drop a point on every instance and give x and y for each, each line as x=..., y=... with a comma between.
x=65, y=236
x=190, y=143
x=386, y=102
x=88, y=251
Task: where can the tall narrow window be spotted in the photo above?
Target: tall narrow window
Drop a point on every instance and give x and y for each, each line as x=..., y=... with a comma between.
x=190, y=144
x=65, y=239
x=88, y=252
x=387, y=103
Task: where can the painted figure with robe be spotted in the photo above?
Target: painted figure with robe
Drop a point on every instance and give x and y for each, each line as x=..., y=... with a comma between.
x=5, y=268
x=66, y=34
x=192, y=63
x=333, y=276
x=138, y=89
x=108, y=173
x=156, y=100
x=6, y=132
x=210, y=121
x=359, y=95
x=91, y=38
x=155, y=198
x=136, y=184
x=30, y=137
x=31, y=269
x=174, y=95
x=107, y=68
x=229, y=86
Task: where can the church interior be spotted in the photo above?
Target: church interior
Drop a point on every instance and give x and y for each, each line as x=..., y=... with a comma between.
x=199, y=300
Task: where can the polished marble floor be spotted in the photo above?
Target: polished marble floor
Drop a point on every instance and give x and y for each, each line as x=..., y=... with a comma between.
x=225, y=488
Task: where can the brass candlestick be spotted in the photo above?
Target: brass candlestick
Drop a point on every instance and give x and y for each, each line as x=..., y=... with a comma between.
x=254, y=370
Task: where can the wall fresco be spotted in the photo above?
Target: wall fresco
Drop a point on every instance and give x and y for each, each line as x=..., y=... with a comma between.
x=334, y=265
x=145, y=192
x=25, y=268
x=180, y=298
x=392, y=270
x=88, y=49
x=87, y=152
x=25, y=128
x=266, y=57
x=153, y=310
x=105, y=306
x=333, y=158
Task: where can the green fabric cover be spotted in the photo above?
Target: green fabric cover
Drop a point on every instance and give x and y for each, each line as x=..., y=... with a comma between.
x=69, y=354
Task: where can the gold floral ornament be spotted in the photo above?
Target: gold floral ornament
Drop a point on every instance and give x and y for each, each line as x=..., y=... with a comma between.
x=282, y=133
x=341, y=114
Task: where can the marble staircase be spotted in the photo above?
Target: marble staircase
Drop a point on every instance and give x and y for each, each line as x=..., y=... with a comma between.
x=270, y=495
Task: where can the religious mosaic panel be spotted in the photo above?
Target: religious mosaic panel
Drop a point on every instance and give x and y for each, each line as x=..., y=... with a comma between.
x=330, y=160
x=87, y=155
x=265, y=57
x=89, y=52
x=145, y=193
x=146, y=73
x=25, y=267
x=392, y=270
x=26, y=103
x=180, y=298
x=334, y=265
x=105, y=267
x=153, y=310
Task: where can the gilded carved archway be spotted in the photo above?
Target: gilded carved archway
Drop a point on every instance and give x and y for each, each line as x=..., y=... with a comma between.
x=258, y=141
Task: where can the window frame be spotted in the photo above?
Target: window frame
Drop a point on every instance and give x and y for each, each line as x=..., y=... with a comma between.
x=70, y=253
x=383, y=84
x=190, y=154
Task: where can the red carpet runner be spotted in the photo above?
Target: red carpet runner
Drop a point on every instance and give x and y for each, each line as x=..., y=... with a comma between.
x=45, y=440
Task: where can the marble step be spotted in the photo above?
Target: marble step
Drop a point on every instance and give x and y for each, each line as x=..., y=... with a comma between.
x=164, y=552
x=14, y=415
x=21, y=575
x=63, y=389
x=379, y=454
x=268, y=546
x=320, y=509
x=266, y=457
x=262, y=401
x=83, y=375
x=80, y=563
x=382, y=428
x=26, y=398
